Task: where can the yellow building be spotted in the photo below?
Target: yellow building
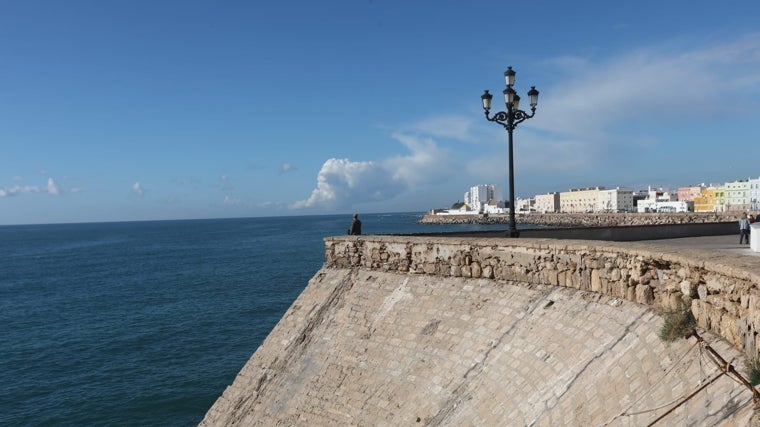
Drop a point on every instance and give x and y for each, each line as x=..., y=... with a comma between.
x=705, y=202
x=579, y=200
x=720, y=199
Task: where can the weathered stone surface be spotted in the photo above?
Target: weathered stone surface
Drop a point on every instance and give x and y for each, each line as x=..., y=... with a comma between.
x=587, y=220
x=381, y=338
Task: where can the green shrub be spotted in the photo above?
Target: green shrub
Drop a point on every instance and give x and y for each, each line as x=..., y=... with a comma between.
x=753, y=366
x=677, y=324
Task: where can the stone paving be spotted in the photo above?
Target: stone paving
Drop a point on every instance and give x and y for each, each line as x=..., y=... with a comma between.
x=724, y=244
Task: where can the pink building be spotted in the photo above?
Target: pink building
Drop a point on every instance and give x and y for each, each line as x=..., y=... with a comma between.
x=687, y=194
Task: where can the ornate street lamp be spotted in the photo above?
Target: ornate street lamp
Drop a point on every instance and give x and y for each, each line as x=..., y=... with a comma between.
x=510, y=119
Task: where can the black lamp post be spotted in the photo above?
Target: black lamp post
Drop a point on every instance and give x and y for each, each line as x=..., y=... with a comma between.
x=510, y=119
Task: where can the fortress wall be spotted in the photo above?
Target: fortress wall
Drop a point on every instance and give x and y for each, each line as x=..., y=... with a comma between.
x=408, y=331
x=721, y=293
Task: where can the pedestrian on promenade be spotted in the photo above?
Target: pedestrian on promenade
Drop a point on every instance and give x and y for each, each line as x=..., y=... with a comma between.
x=744, y=229
x=356, y=227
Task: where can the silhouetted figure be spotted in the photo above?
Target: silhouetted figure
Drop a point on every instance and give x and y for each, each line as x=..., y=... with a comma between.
x=744, y=229
x=356, y=227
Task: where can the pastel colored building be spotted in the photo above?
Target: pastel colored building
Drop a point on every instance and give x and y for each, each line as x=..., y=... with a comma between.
x=737, y=196
x=705, y=202
x=615, y=200
x=720, y=199
x=579, y=200
x=547, y=203
x=687, y=194
x=754, y=194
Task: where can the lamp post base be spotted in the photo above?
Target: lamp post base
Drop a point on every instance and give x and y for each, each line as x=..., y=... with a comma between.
x=513, y=233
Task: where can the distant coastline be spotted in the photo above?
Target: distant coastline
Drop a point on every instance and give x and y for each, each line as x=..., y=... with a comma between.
x=586, y=220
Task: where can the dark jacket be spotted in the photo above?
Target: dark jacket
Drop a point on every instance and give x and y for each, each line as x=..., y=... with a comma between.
x=356, y=227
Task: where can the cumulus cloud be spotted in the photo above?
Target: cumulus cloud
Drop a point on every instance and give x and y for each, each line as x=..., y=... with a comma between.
x=138, y=189
x=342, y=182
x=52, y=187
x=592, y=111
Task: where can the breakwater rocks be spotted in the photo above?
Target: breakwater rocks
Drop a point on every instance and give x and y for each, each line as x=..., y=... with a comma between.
x=586, y=220
x=434, y=331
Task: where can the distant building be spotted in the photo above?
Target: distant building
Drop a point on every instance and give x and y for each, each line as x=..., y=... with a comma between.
x=687, y=194
x=754, y=194
x=494, y=207
x=579, y=200
x=737, y=196
x=720, y=199
x=615, y=200
x=524, y=205
x=705, y=202
x=479, y=195
x=547, y=203
x=662, y=205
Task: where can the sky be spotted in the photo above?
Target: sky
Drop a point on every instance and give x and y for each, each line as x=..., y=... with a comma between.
x=150, y=110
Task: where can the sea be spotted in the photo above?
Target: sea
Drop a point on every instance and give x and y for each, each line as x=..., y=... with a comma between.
x=146, y=323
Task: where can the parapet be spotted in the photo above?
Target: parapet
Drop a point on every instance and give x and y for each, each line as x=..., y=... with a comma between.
x=722, y=293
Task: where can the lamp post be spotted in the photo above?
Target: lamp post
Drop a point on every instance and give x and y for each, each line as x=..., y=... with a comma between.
x=510, y=119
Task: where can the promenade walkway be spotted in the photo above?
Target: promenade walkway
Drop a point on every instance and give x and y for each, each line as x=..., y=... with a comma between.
x=724, y=244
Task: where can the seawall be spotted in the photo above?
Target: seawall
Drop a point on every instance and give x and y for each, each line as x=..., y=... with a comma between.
x=397, y=330
x=588, y=219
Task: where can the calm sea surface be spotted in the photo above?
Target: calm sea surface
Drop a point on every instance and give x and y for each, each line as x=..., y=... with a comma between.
x=146, y=323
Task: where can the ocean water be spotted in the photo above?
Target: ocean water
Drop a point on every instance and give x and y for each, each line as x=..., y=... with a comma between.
x=146, y=323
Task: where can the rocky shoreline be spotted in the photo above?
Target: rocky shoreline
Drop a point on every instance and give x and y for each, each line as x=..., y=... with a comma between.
x=587, y=220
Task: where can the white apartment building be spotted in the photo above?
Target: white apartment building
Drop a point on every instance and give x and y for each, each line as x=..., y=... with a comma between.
x=494, y=207
x=523, y=205
x=579, y=200
x=662, y=205
x=478, y=196
x=737, y=196
x=615, y=200
x=754, y=194
x=547, y=203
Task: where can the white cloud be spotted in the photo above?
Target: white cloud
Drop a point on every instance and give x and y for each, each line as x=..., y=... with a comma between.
x=342, y=182
x=138, y=189
x=661, y=84
x=286, y=167
x=226, y=184
x=593, y=114
x=449, y=126
x=596, y=106
x=51, y=188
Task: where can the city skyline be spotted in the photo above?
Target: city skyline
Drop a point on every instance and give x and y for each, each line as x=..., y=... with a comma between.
x=179, y=110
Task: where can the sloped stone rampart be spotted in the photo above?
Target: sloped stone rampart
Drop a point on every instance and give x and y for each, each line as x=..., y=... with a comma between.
x=722, y=294
x=408, y=331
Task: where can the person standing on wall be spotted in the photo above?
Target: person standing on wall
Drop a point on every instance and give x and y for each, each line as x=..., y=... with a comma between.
x=744, y=229
x=356, y=227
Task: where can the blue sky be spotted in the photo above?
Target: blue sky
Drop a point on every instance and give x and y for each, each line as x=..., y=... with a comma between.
x=141, y=110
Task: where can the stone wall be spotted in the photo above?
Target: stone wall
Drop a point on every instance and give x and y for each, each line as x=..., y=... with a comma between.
x=586, y=220
x=413, y=331
x=721, y=293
